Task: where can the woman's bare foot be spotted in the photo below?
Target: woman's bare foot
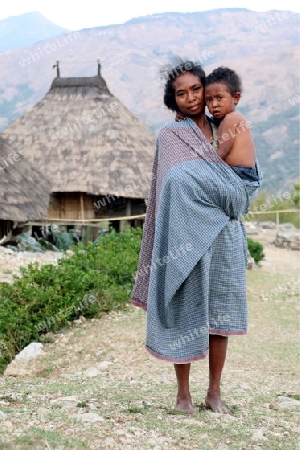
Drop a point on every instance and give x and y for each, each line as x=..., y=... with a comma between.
x=185, y=405
x=216, y=404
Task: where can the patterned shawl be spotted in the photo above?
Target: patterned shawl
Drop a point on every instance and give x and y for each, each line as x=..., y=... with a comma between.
x=194, y=195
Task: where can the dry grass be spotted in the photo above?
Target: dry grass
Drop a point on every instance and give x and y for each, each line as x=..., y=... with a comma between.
x=133, y=394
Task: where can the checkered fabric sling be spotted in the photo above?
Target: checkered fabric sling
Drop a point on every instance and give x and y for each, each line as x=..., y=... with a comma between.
x=192, y=266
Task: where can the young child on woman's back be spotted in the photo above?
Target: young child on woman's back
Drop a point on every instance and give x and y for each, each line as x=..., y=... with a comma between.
x=223, y=89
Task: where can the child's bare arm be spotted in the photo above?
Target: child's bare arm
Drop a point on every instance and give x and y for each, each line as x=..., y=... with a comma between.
x=227, y=133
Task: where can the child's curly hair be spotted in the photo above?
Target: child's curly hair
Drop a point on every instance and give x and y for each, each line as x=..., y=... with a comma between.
x=226, y=76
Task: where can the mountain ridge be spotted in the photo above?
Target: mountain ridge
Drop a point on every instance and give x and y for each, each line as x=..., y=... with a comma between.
x=26, y=29
x=132, y=54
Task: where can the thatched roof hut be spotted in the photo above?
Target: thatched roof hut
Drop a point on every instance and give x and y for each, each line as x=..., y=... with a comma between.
x=24, y=191
x=88, y=144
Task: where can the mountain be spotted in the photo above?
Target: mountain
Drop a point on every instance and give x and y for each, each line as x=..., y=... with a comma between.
x=26, y=29
x=262, y=47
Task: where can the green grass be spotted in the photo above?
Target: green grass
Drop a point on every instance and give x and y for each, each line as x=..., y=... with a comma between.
x=38, y=438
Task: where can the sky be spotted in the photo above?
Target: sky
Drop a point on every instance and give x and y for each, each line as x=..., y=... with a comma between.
x=94, y=13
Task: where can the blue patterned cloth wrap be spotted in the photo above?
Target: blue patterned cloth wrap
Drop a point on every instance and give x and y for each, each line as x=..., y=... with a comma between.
x=197, y=281
x=247, y=173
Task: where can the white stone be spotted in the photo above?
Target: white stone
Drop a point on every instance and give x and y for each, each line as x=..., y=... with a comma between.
x=110, y=442
x=89, y=417
x=120, y=432
x=77, y=321
x=92, y=407
x=258, y=434
x=91, y=372
x=3, y=416
x=66, y=402
x=288, y=403
x=6, y=251
x=103, y=365
x=31, y=351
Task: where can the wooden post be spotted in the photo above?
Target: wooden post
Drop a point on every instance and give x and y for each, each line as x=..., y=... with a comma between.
x=82, y=217
x=57, y=69
x=82, y=206
x=277, y=218
x=128, y=210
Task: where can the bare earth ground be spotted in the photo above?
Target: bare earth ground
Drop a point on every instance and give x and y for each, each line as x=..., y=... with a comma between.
x=95, y=386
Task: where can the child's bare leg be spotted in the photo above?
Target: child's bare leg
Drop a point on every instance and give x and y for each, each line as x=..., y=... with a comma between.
x=184, y=400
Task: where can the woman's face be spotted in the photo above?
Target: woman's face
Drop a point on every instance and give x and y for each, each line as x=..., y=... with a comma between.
x=189, y=94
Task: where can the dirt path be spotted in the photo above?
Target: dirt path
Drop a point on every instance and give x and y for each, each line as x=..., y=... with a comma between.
x=95, y=386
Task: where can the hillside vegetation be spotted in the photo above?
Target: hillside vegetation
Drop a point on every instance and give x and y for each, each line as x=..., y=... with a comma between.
x=262, y=47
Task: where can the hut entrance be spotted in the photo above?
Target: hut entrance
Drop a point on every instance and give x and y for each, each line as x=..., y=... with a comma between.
x=5, y=229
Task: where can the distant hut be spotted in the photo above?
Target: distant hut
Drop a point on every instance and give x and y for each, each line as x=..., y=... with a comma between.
x=96, y=153
x=24, y=193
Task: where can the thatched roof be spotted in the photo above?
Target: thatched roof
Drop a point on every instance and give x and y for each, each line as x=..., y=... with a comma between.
x=24, y=191
x=84, y=140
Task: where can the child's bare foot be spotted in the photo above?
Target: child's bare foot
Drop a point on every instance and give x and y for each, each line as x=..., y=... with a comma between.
x=216, y=404
x=185, y=405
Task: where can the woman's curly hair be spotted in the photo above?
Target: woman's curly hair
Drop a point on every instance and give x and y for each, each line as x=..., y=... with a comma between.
x=169, y=73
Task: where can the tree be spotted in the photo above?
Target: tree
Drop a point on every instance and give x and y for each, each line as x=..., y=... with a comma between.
x=296, y=195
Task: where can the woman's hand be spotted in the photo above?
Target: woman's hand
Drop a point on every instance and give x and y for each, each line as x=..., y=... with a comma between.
x=179, y=116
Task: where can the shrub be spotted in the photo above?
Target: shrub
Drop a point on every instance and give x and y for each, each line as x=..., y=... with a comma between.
x=95, y=278
x=256, y=250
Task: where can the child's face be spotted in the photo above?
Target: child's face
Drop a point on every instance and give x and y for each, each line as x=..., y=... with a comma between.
x=219, y=100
